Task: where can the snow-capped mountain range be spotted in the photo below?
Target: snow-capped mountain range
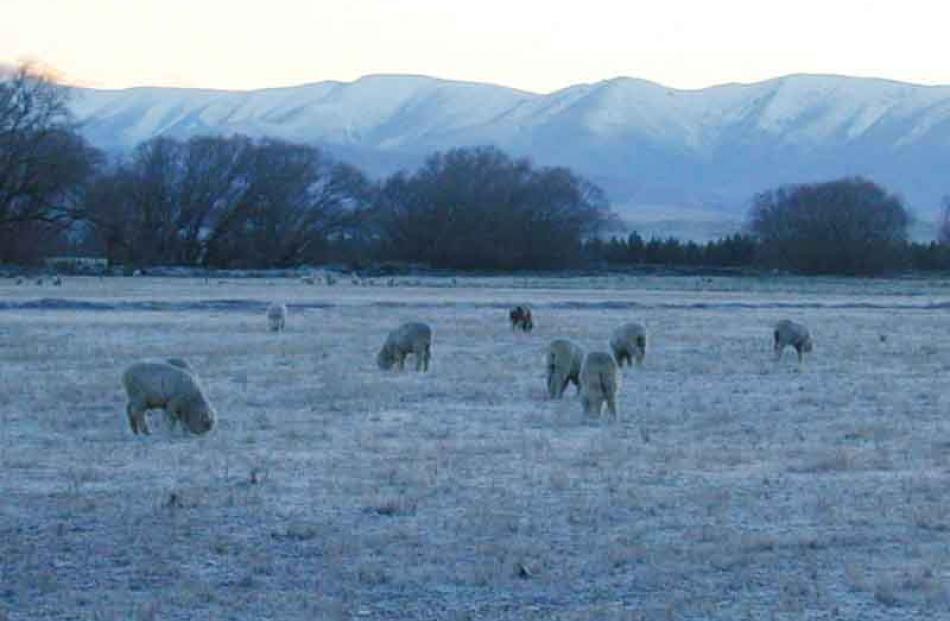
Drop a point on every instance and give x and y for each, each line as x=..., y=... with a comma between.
x=659, y=152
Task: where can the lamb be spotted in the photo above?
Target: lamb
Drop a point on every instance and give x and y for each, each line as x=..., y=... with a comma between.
x=170, y=387
x=520, y=317
x=564, y=360
x=600, y=381
x=629, y=343
x=276, y=316
x=409, y=338
x=790, y=333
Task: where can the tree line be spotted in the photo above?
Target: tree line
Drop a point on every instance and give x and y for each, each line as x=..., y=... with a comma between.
x=239, y=202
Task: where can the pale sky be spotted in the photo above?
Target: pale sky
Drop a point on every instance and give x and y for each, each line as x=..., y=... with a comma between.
x=534, y=45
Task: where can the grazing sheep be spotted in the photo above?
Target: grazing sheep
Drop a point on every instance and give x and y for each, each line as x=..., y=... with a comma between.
x=520, y=317
x=276, y=316
x=19, y=280
x=57, y=281
x=307, y=280
x=170, y=387
x=600, y=381
x=790, y=333
x=629, y=343
x=564, y=360
x=409, y=338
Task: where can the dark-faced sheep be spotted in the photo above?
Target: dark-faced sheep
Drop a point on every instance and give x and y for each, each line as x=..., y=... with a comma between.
x=410, y=338
x=564, y=360
x=600, y=382
x=629, y=343
x=276, y=317
x=788, y=333
x=164, y=385
x=520, y=317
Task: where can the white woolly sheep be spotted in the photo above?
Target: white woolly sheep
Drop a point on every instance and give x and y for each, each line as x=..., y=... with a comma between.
x=564, y=360
x=600, y=382
x=409, y=338
x=170, y=387
x=629, y=343
x=276, y=316
x=790, y=333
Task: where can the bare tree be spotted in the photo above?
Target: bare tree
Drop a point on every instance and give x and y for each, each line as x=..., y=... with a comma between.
x=223, y=202
x=478, y=208
x=43, y=161
x=943, y=227
x=846, y=226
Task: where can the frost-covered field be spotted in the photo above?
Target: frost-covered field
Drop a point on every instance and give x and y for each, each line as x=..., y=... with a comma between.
x=332, y=490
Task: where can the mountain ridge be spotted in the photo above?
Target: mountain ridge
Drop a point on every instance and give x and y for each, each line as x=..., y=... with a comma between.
x=645, y=143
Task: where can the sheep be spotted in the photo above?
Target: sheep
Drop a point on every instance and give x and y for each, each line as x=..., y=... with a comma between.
x=790, y=333
x=276, y=316
x=628, y=343
x=564, y=360
x=520, y=317
x=600, y=381
x=170, y=387
x=307, y=280
x=409, y=338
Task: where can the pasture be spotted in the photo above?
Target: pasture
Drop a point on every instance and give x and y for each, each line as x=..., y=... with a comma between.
x=333, y=490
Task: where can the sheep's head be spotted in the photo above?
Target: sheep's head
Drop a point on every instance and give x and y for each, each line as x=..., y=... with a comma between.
x=198, y=416
x=807, y=344
x=385, y=358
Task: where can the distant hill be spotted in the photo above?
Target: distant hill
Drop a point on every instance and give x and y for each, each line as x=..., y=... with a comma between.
x=663, y=155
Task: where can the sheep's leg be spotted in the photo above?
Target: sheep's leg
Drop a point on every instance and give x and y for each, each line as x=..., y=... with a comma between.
x=141, y=422
x=427, y=358
x=401, y=361
x=612, y=406
x=420, y=359
x=551, y=383
x=133, y=420
x=586, y=404
x=801, y=355
x=778, y=352
x=172, y=412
